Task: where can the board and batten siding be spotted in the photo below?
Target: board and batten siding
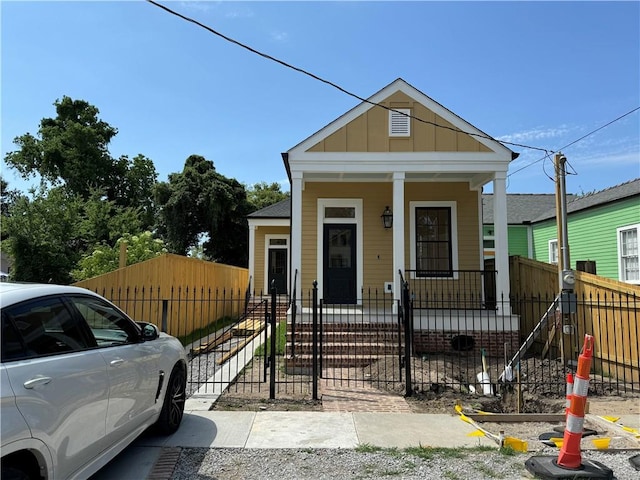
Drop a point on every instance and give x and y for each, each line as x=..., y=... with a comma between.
x=369, y=132
x=592, y=235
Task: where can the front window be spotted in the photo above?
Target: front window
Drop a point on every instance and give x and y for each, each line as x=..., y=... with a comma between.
x=628, y=264
x=433, y=241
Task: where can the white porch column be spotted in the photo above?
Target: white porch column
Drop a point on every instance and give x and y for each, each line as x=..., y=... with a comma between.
x=500, y=227
x=296, y=231
x=252, y=254
x=398, y=233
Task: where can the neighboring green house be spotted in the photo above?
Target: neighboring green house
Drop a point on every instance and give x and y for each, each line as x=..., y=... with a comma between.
x=603, y=229
x=522, y=208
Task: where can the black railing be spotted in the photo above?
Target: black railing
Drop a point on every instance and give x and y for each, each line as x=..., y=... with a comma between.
x=398, y=346
x=452, y=289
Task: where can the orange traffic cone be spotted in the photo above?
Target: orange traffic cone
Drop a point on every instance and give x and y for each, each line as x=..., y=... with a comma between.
x=569, y=463
x=569, y=391
x=570, y=456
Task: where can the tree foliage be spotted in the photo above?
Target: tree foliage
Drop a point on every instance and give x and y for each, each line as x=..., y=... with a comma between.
x=86, y=197
x=200, y=201
x=263, y=194
x=105, y=258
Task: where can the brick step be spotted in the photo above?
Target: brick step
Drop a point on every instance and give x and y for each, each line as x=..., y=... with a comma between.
x=346, y=327
x=345, y=337
x=347, y=349
x=329, y=361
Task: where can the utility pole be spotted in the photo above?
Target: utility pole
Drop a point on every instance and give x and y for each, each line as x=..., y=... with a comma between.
x=566, y=276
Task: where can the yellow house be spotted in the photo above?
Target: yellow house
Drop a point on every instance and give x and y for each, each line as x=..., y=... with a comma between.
x=391, y=187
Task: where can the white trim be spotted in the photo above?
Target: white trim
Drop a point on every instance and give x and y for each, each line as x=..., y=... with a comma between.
x=368, y=161
x=619, y=230
x=550, y=251
x=356, y=203
x=452, y=205
x=267, y=238
x=269, y=222
x=252, y=253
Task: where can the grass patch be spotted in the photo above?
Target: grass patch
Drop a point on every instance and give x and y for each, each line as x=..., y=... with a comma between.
x=202, y=332
x=281, y=341
x=368, y=448
x=427, y=453
x=487, y=471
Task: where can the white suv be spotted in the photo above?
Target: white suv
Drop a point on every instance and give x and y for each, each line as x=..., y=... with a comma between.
x=79, y=381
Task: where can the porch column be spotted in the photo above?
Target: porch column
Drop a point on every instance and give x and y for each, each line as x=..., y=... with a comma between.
x=500, y=227
x=398, y=233
x=252, y=255
x=296, y=233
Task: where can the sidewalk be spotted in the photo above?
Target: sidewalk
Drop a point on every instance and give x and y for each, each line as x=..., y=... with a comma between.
x=276, y=429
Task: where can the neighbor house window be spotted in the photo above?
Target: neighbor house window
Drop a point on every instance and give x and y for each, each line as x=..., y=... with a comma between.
x=434, y=246
x=629, y=269
x=553, y=251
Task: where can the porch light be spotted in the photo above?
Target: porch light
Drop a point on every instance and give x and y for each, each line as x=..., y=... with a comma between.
x=387, y=217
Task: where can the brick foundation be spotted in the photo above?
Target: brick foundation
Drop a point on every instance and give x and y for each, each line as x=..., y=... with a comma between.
x=430, y=341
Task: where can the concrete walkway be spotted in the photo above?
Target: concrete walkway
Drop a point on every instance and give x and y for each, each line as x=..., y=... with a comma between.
x=275, y=429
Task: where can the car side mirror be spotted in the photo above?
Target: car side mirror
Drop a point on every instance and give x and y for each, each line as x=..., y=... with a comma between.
x=149, y=332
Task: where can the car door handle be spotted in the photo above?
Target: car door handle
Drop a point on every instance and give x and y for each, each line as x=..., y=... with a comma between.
x=35, y=382
x=116, y=363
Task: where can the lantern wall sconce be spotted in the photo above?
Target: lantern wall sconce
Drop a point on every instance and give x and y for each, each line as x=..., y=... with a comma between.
x=387, y=217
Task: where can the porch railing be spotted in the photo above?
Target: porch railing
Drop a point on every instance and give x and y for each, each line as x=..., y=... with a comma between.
x=452, y=289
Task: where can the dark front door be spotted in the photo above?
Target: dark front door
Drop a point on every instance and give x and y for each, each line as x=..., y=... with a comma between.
x=278, y=269
x=339, y=263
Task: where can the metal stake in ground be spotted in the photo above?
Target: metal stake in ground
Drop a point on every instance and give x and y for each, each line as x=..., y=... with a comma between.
x=569, y=463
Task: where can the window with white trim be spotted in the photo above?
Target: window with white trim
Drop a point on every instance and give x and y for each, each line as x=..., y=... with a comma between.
x=628, y=264
x=399, y=122
x=434, y=239
x=553, y=251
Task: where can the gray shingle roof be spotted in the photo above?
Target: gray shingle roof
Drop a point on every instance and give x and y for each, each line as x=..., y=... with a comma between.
x=282, y=209
x=521, y=207
x=612, y=194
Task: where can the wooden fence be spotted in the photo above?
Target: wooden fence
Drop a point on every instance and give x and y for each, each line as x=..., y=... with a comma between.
x=178, y=294
x=606, y=309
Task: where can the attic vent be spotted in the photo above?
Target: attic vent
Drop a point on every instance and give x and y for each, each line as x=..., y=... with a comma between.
x=399, y=124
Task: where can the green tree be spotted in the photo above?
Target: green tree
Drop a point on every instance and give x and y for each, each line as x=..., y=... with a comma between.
x=109, y=197
x=200, y=201
x=263, y=194
x=104, y=258
x=70, y=149
x=40, y=236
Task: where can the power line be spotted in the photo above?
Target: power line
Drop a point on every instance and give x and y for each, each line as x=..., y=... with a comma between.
x=334, y=85
x=578, y=140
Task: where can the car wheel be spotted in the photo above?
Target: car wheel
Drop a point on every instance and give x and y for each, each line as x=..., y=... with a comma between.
x=12, y=473
x=173, y=406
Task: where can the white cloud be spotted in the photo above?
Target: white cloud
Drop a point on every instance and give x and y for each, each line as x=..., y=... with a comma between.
x=196, y=5
x=538, y=133
x=280, y=36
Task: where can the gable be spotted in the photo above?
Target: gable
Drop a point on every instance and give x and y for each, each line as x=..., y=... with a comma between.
x=370, y=131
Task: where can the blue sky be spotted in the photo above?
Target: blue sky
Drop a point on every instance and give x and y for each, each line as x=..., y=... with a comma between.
x=539, y=73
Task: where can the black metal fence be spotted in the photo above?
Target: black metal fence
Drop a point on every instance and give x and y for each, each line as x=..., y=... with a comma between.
x=282, y=347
